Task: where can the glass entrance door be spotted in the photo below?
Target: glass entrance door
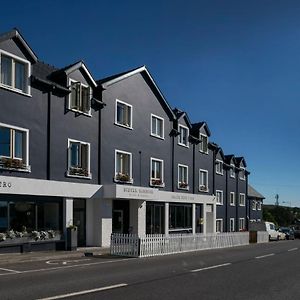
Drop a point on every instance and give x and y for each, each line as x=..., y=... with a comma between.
x=79, y=220
x=118, y=221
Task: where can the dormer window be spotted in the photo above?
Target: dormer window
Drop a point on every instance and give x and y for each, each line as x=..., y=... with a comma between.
x=219, y=167
x=183, y=138
x=242, y=173
x=232, y=170
x=80, y=97
x=203, y=143
x=15, y=73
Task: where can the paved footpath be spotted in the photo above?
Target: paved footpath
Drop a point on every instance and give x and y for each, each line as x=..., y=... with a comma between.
x=50, y=255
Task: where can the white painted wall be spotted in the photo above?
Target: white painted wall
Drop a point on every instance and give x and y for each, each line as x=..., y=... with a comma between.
x=166, y=218
x=67, y=213
x=137, y=216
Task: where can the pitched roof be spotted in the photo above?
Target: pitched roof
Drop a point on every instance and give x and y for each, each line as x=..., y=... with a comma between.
x=108, y=81
x=72, y=67
x=220, y=150
x=252, y=193
x=239, y=160
x=182, y=114
x=15, y=34
x=228, y=158
x=197, y=126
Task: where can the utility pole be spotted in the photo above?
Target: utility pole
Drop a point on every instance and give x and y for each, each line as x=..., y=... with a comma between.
x=277, y=199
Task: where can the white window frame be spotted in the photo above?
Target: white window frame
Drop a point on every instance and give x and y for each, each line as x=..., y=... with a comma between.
x=258, y=205
x=201, y=144
x=242, y=171
x=130, y=166
x=242, y=195
x=27, y=75
x=232, y=222
x=162, y=172
x=221, y=225
x=232, y=203
x=253, y=206
x=187, y=179
x=163, y=126
x=200, y=185
x=89, y=113
x=88, y=159
x=26, y=131
x=222, y=197
x=242, y=224
x=219, y=163
x=116, y=114
x=232, y=170
x=179, y=136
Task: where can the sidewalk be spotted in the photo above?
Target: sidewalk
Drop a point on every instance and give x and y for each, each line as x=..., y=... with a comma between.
x=50, y=255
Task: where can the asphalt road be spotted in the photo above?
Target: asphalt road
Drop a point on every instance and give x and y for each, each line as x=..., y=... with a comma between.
x=265, y=271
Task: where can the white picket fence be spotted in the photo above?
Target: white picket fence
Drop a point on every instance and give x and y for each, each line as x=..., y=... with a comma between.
x=159, y=244
x=262, y=237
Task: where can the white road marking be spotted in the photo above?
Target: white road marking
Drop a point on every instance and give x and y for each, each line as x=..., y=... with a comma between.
x=211, y=267
x=263, y=256
x=65, y=262
x=9, y=270
x=293, y=249
x=66, y=267
x=85, y=292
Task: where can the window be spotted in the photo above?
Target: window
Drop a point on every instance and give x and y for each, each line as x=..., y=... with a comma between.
x=157, y=126
x=232, y=170
x=15, y=72
x=183, y=177
x=231, y=225
x=180, y=217
x=79, y=159
x=258, y=205
x=242, y=199
x=203, y=181
x=219, y=225
x=183, y=138
x=155, y=218
x=242, y=173
x=241, y=224
x=14, y=148
x=232, y=199
x=80, y=97
x=219, y=197
x=253, y=205
x=123, y=115
x=123, y=167
x=219, y=167
x=157, y=172
x=203, y=143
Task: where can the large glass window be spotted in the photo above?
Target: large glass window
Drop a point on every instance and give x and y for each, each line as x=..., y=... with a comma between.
x=79, y=158
x=183, y=136
x=123, y=114
x=180, y=217
x=14, y=73
x=13, y=147
x=3, y=216
x=156, y=172
x=157, y=126
x=155, y=218
x=123, y=167
x=80, y=97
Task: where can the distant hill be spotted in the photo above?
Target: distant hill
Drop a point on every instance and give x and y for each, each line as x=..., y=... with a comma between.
x=281, y=215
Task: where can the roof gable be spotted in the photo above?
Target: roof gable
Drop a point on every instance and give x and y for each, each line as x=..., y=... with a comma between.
x=196, y=127
x=241, y=162
x=182, y=114
x=108, y=81
x=220, y=151
x=20, y=41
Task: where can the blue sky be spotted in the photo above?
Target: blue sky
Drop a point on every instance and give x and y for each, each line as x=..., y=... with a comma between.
x=234, y=64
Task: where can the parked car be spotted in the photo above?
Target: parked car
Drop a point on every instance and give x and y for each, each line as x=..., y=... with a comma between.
x=288, y=232
x=281, y=234
x=296, y=229
x=273, y=233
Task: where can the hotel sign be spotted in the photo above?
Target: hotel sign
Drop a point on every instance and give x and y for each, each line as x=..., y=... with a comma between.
x=133, y=192
x=5, y=184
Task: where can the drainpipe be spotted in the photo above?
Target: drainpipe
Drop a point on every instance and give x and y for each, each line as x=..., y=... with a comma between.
x=237, y=197
x=226, y=201
x=49, y=135
x=194, y=168
x=99, y=146
x=247, y=205
x=173, y=161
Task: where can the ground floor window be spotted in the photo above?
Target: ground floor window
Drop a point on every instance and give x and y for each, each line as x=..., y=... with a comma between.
x=21, y=213
x=180, y=217
x=219, y=225
x=155, y=218
x=241, y=224
x=231, y=228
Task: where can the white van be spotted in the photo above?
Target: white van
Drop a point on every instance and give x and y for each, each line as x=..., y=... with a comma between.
x=273, y=233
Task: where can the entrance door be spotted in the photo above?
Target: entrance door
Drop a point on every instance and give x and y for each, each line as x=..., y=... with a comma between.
x=118, y=221
x=79, y=220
